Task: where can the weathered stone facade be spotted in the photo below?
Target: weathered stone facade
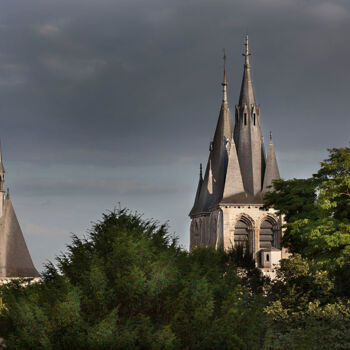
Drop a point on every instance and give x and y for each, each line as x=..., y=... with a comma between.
x=228, y=208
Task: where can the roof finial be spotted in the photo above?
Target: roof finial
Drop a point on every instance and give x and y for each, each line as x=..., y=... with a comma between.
x=224, y=83
x=246, y=54
x=200, y=171
x=2, y=169
x=270, y=136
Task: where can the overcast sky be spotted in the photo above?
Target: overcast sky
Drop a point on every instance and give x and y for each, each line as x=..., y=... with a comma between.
x=107, y=101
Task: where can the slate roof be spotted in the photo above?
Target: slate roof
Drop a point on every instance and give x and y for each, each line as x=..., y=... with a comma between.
x=272, y=172
x=15, y=260
x=237, y=170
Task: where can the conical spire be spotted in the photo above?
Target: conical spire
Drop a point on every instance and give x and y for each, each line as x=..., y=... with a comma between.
x=271, y=171
x=247, y=93
x=233, y=181
x=214, y=179
x=195, y=207
x=15, y=260
x=247, y=133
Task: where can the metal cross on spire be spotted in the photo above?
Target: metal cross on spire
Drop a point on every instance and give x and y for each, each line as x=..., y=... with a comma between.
x=224, y=83
x=224, y=65
x=246, y=54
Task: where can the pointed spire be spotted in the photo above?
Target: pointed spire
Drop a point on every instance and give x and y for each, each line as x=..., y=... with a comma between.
x=15, y=260
x=247, y=93
x=271, y=171
x=2, y=169
x=224, y=82
x=196, y=204
x=233, y=181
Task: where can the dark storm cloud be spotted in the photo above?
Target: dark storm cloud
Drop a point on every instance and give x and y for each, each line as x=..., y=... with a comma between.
x=135, y=82
x=104, y=101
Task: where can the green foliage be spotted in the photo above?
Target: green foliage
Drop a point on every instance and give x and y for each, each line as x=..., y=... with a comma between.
x=309, y=307
x=318, y=212
x=128, y=286
x=304, y=313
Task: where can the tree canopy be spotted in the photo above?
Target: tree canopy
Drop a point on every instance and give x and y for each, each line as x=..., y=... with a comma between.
x=128, y=285
x=317, y=211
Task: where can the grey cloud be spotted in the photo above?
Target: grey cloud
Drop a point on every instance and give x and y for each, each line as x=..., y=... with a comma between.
x=135, y=86
x=95, y=188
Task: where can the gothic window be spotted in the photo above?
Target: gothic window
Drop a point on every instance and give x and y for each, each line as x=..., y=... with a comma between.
x=245, y=118
x=241, y=234
x=267, y=238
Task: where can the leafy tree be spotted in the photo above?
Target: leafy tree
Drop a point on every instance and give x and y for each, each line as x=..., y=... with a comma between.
x=127, y=285
x=318, y=212
x=304, y=313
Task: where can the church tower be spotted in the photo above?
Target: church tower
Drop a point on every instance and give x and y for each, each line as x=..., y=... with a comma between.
x=228, y=208
x=15, y=260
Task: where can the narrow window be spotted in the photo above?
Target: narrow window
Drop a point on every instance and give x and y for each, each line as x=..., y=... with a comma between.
x=267, y=257
x=245, y=118
x=241, y=234
x=254, y=118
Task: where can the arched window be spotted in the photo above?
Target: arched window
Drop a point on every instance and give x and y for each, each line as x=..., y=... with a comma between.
x=241, y=234
x=267, y=238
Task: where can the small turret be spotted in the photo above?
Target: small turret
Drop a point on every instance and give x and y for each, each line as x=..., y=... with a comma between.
x=233, y=181
x=195, y=207
x=271, y=171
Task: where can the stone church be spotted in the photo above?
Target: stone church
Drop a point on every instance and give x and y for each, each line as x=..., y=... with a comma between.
x=228, y=207
x=15, y=260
